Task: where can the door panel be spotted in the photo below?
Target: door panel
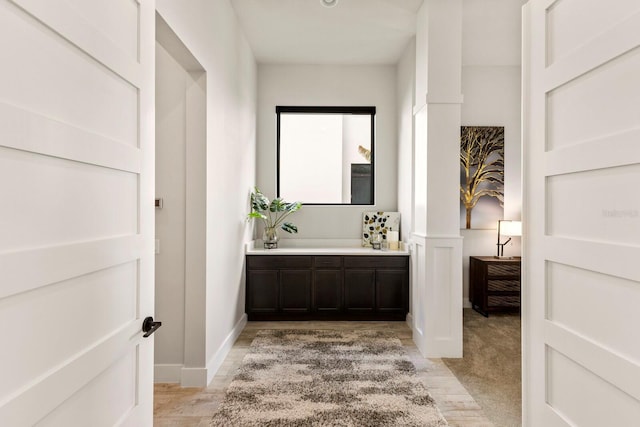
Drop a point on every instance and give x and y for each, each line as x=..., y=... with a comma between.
x=61, y=201
x=67, y=318
x=327, y=290
x=117, y=18
x=565, y=374
x=390, y=290
x=79, y=410
x=595, y=100
x=262, y=291
x=359, y=290
x=594, y=18
x=76, y=253
x=614, y=223
x=67, y=91
x=566, y=282
x=581, y=284
x=295, y=290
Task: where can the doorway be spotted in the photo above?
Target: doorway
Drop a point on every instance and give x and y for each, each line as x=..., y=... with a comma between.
x=180, y=211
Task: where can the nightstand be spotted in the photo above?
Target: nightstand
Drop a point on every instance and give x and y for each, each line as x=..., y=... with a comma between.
x=494, y=284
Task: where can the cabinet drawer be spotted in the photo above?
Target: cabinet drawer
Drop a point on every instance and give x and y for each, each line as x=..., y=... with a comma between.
x=380, y=261
x=327, y=261
x=503, y=302
x=276, y=261
x=503, y=285
x=503, y=269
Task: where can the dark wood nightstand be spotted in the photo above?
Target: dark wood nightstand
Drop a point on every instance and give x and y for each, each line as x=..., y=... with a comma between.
x=494, y=284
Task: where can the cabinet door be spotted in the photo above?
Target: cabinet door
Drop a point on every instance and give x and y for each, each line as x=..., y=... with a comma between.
x=359, y=290
x=262, y=291
x=327, y=290
x=295, y=290
x=391, y=286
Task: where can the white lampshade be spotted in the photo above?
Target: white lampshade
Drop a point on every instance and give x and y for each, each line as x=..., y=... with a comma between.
x=511, y=228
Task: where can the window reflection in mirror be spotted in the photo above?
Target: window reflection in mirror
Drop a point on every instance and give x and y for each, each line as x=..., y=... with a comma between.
x=325, y=154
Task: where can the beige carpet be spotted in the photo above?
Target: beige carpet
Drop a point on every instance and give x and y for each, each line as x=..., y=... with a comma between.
x=491, y=366
x=327, y=378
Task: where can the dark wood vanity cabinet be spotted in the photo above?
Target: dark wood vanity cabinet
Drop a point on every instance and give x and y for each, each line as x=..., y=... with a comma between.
x=330, y=287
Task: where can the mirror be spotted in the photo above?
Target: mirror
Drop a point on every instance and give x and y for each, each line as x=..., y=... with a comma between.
x=325, y=155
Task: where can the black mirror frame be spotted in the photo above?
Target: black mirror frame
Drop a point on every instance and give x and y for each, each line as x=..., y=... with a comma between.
x=359, y=110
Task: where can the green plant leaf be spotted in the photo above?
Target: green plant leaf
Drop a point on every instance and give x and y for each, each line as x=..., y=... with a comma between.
x=255, y=214
x=277, y=205
x=289, y=228
x=292, y=207
x=259, y=202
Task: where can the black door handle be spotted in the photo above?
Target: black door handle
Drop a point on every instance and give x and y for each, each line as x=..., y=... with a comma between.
x=149, y=326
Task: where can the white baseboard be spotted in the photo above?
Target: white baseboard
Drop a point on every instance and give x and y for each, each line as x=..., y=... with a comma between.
x=410, y=320
x=216, y=361
x=466, y=303
x=419, y=339
x=198, y=377
x=193, y=377
x=176, y=373
x=167, y=373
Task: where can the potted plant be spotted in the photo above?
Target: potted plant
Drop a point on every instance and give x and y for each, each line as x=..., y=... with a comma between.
x=272, y=214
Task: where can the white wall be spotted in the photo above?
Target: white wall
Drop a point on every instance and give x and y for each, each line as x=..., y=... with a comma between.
x=491, y=88
x=171, y=80
x=406, y=92
x=181, y=222
x=211, y=32
x=313, y=85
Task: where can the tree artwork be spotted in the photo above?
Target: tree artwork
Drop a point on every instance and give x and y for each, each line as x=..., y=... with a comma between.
x=482, y=167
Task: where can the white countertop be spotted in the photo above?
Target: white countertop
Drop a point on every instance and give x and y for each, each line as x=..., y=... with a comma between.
x=321, y=247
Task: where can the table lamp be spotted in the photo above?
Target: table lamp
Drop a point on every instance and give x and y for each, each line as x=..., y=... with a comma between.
x=507, y=228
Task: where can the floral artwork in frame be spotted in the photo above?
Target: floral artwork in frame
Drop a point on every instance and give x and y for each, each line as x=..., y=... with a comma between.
x=378, y=222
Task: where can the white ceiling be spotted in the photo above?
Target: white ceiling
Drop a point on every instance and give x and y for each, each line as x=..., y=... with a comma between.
x=306, y=32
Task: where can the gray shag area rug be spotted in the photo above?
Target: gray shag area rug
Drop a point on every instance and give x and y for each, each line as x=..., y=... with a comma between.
x=327, y=378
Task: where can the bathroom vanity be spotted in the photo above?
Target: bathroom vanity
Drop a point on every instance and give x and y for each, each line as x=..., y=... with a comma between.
x=327, y=283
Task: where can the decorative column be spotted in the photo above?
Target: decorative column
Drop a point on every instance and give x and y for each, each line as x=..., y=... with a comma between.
x=436, y=240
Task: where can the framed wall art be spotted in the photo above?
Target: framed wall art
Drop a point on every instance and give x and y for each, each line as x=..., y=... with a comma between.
x=481, y=176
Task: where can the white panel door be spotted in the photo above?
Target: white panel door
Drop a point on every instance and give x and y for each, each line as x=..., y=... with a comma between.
x=581, y=282
x=76, y=212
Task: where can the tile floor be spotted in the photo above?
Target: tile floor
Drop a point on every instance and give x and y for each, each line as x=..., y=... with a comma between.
x=192, y=407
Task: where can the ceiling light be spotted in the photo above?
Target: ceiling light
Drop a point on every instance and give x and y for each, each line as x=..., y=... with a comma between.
x=329, y=3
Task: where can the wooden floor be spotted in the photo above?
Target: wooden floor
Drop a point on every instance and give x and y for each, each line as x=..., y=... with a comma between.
x=186, y=407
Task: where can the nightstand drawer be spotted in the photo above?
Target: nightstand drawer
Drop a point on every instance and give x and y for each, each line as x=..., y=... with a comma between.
x=503, y=269
x=503, y=285
x=504, y=302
